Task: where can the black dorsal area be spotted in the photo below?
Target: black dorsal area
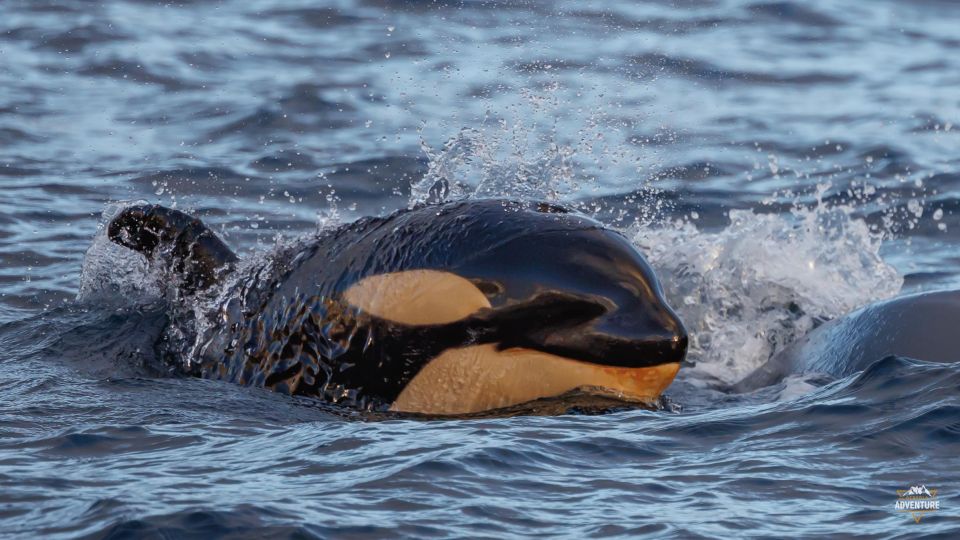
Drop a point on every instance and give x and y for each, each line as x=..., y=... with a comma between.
x=192, y=250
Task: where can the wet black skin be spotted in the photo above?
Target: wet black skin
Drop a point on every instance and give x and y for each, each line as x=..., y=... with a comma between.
x=557, y=282
x=195, y=253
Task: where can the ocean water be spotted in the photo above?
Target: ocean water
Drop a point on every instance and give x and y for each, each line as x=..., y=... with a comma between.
x=780, y=163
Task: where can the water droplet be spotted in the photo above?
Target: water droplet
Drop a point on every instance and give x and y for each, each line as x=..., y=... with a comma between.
x=915, y=207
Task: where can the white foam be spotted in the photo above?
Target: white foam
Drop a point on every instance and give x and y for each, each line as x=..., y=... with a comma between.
x=748, y=290
x=111, y=272
x=472, y=164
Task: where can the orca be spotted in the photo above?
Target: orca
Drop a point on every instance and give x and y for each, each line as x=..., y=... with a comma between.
x=921, y=326
x=442, y=309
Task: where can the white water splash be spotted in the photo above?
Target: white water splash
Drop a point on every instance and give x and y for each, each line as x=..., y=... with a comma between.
x=534, y=149
x=112, y=273
x=472, y=165
x=750, y=289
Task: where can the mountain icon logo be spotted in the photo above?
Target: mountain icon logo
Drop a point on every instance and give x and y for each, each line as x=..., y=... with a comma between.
x=918, y=501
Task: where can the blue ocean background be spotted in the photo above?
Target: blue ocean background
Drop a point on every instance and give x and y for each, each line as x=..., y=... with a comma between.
x=780, y=163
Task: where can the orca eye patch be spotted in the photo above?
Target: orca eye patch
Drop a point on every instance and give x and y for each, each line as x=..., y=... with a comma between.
x=417, y=297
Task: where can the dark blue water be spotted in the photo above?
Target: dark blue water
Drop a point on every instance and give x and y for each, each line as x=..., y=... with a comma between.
x=779, y=163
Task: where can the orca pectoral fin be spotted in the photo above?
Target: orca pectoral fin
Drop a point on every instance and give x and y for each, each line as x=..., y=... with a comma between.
x=194, y=251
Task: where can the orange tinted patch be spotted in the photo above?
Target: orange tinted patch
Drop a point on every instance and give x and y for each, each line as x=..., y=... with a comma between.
x=417, y=297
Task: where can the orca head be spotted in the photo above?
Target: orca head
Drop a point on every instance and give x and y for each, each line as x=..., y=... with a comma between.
x=584, y=294
x=556, y=303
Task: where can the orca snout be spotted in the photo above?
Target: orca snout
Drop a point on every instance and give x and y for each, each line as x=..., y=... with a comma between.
x=649, y=335
x=649, y=329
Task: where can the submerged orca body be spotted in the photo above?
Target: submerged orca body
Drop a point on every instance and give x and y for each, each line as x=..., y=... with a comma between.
x=448, y=309
x=921, y=326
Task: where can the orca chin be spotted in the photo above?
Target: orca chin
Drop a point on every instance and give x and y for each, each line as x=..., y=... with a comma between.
x=450, y=309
